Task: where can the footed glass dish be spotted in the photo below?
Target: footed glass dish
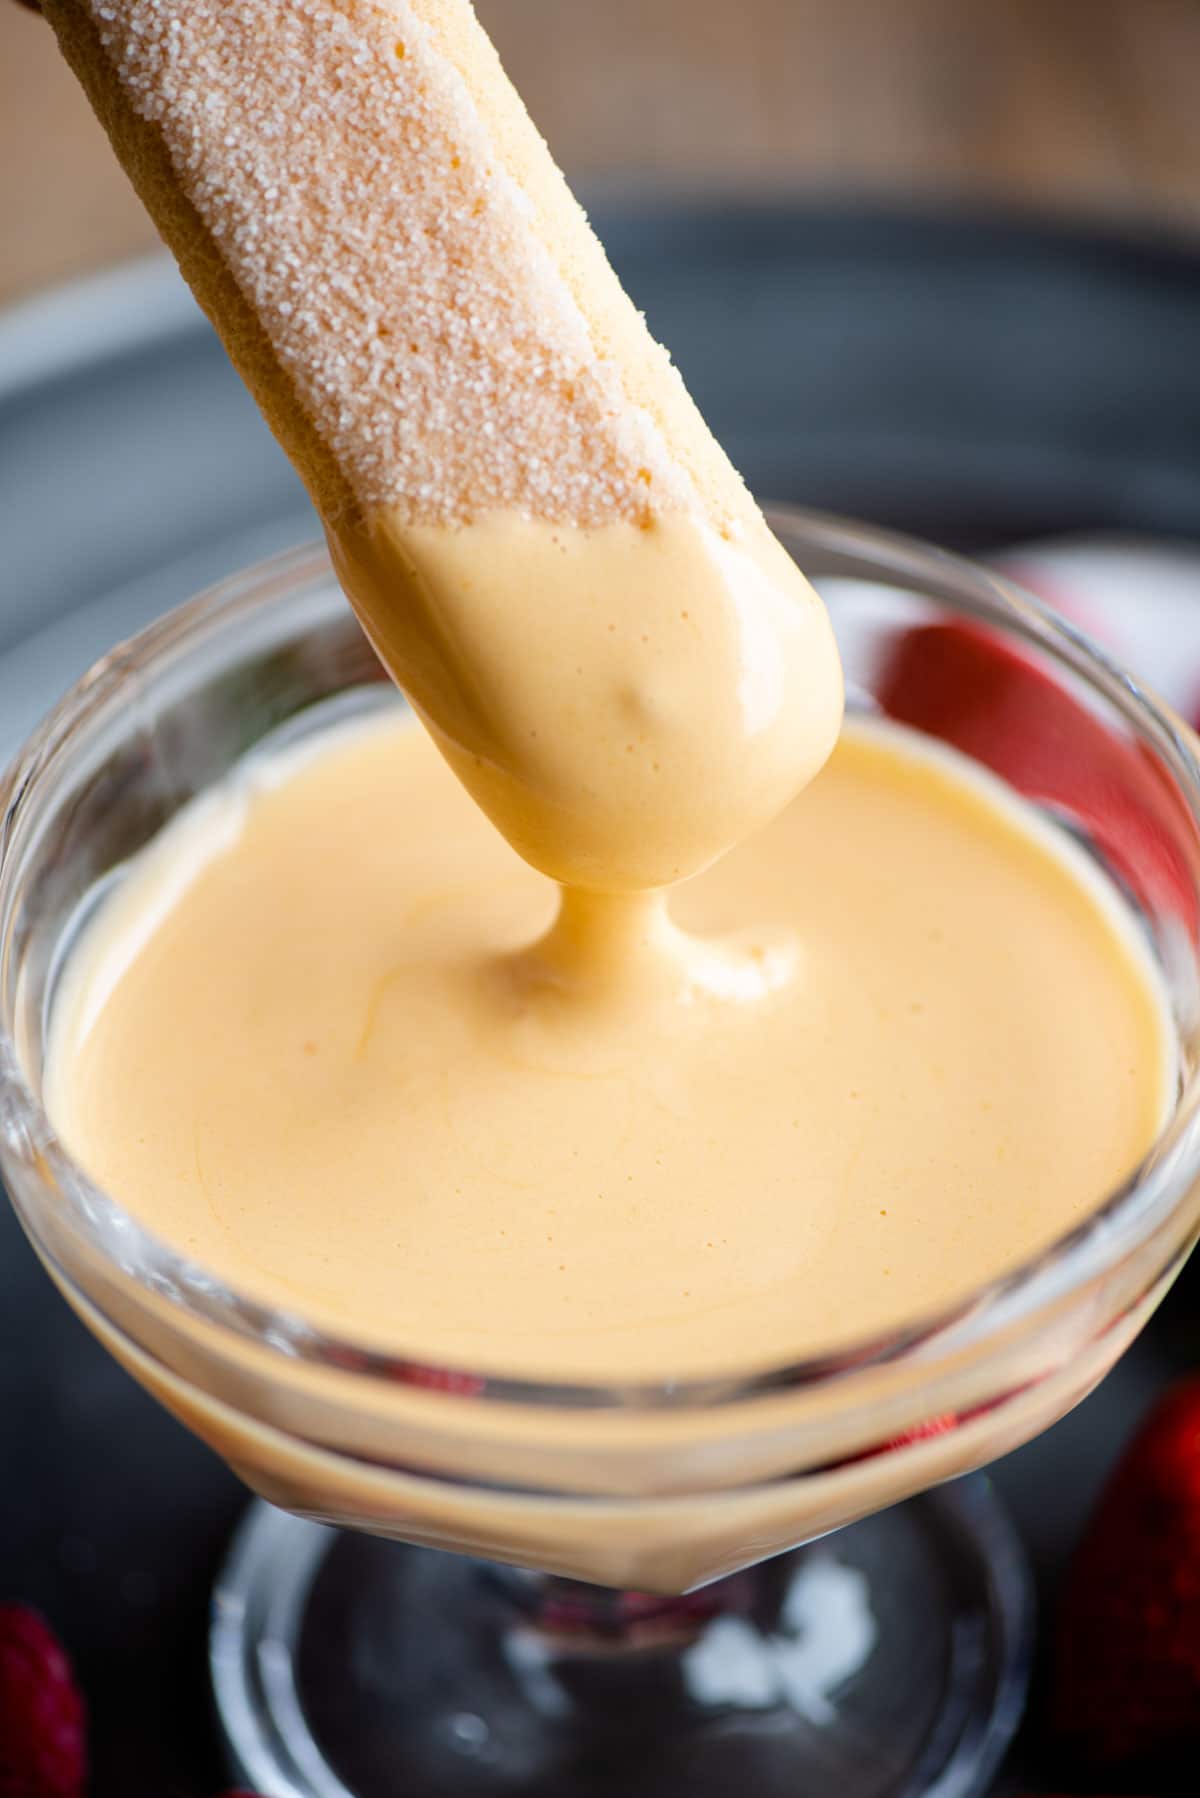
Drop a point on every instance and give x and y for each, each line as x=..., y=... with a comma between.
x=644, y=1596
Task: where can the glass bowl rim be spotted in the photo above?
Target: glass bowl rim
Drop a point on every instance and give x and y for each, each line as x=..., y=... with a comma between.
x=1128, y=1216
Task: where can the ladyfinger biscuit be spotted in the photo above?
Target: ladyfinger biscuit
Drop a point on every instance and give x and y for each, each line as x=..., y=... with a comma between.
x=368, y=215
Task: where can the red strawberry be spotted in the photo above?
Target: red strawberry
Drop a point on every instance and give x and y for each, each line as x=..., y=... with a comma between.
x=439, y=1379
x=941, y=1425
x=927, y=1431
x=408, y=1373
x=1127, y=1666
x=963, y=684
x=43, y=1740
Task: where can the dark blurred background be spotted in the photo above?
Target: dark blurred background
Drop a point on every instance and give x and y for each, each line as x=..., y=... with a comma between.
x=932, y=262
x=1067, y=107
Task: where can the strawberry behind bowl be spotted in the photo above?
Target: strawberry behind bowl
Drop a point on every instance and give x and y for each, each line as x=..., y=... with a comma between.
x=959, y=683
x=43, y=1724
x=1126, y=1672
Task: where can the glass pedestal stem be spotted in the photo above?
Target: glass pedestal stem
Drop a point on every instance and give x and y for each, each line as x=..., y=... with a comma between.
x=886, y=1661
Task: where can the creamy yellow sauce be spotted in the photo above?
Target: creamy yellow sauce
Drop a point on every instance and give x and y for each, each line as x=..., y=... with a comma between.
x=328, y=1039
x=625, y=702
x=334, y=1038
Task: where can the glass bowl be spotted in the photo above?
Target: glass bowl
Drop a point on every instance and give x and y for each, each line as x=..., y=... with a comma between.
x=323, y=1647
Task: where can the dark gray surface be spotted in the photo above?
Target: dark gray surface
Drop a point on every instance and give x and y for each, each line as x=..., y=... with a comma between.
x=973, y=382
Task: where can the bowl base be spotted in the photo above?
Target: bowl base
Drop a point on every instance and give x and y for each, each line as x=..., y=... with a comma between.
x=886, y=1661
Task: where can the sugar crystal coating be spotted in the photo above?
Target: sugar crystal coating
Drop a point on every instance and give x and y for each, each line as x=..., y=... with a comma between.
x=340, y=164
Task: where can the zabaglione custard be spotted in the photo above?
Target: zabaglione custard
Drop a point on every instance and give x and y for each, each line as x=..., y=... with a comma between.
x=333, y=1039
x=622, y=1014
